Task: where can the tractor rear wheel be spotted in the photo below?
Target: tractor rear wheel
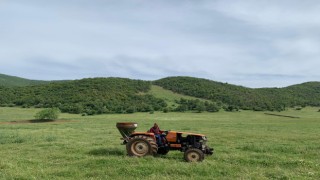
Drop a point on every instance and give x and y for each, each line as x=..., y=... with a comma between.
x=193, y=155
x=141, y=146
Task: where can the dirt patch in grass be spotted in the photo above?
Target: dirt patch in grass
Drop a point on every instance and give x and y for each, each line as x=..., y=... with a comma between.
x=37, y=121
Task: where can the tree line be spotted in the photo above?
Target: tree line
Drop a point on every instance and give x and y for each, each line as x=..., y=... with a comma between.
x=88, y=96
x=121, y=95
x=234, y=97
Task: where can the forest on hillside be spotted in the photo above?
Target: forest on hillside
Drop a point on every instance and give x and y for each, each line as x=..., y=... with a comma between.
x=89, y=96
x=6, y=80
x=237, y=97
x=120, y=95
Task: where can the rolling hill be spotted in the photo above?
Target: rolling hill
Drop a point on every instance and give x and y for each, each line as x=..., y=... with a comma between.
x=6, y=80
x=90, y=96
x=242, y=97
x=121, y=95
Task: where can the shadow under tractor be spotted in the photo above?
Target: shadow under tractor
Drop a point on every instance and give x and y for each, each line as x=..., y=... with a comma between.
x=144, y=143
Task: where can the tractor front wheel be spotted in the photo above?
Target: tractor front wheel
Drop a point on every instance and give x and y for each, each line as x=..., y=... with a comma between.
x=193, y=155
x=141, y=146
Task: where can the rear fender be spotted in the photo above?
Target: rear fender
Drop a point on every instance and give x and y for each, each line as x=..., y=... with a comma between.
x=143, y=134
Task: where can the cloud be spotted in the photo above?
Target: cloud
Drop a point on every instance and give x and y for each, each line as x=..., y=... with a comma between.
x=300, y=47
x=272, y=14
x=251, y=43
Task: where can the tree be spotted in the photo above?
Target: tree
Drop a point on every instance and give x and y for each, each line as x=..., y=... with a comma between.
x=165, y=110
x=212, y=107
x=48, y=114
x=182, y=108
x=200, y=107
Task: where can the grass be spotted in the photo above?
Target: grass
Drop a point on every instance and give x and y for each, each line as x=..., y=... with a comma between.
x=248, y=145
x=169, y=96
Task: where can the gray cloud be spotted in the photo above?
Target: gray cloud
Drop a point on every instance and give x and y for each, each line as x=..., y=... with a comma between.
x=251, y=43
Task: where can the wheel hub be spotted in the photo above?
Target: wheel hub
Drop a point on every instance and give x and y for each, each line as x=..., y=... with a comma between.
x=140, y=148
x=193, y=156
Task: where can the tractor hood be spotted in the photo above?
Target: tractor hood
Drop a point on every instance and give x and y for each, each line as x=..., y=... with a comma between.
x=188, y=133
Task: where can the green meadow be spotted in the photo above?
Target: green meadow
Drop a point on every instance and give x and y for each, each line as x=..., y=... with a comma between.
x=248, y=145
x=169, y=96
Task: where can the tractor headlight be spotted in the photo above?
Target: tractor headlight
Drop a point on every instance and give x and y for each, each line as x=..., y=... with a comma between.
x=204, y=138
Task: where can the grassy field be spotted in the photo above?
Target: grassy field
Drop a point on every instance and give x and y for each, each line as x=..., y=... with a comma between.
x=169, y=96
x=248, y=145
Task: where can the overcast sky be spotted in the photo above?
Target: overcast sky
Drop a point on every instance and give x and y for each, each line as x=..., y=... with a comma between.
x=264, y=43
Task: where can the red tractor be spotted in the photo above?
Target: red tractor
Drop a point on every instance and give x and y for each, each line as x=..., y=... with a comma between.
x=145, y=143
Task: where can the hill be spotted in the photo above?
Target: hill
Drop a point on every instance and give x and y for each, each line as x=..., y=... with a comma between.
x=90, y=96
x=240, y=97
x=6, y=80
x=121, y=95
x=306, y=93
x=100, y=95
